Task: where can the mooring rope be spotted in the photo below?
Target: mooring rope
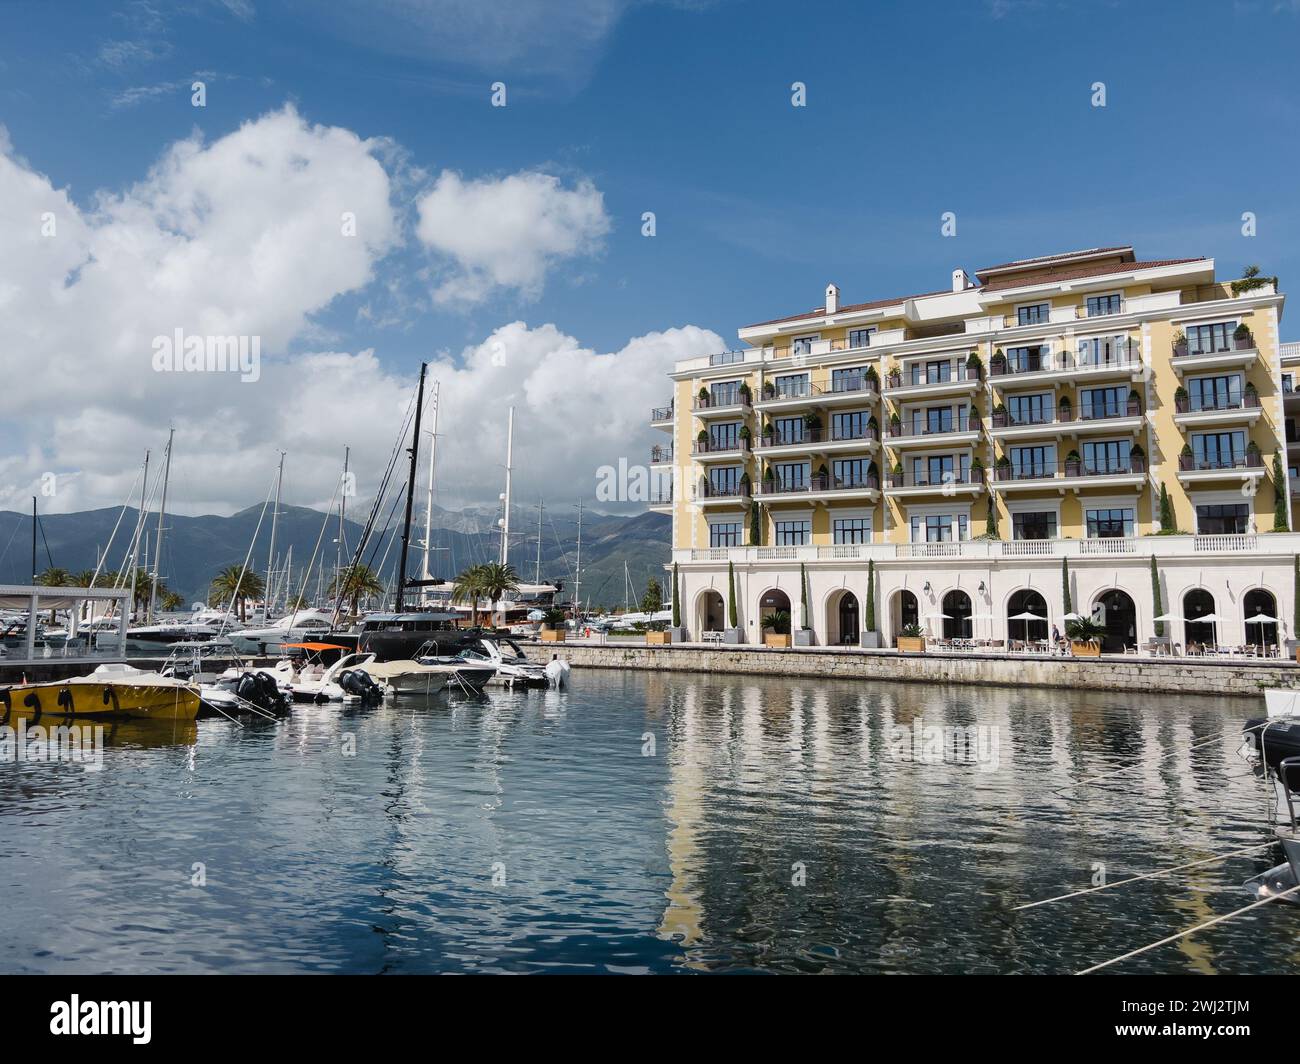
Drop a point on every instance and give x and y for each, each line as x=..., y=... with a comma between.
x=1145, y=875
x=1190, y=930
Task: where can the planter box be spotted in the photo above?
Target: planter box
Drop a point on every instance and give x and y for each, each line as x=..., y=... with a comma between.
x=1085, y=650
x=771, y=639
x=552, y=635
x=908, y=644
x=803, y=637
x=1293, y=648
x=733, y=635
x=678, y=635
x=869, y=640
x=661, y=639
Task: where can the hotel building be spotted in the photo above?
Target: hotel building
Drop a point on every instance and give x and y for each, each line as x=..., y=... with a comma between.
x=971, y=440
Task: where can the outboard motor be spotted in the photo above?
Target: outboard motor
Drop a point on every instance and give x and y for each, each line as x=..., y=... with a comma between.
x=360, y=683
x=272, y=698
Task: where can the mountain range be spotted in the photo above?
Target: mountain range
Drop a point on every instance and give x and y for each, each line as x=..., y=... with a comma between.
x=195, y=549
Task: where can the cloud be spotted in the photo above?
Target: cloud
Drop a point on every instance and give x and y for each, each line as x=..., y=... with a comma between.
x=506, y=232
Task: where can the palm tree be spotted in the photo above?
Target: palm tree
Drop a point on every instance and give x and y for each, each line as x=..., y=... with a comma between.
x=496, y=580
x=358, y=582
x=470, y=587
x=83, y=578
x=172, y=601
x=53, y=578
x=234, y=583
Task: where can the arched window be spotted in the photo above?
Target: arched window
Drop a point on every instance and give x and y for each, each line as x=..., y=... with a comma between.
x=1200, y=624
x=1260, y=603
x=1116, y=611
x=956, y=615
x=1019, y=625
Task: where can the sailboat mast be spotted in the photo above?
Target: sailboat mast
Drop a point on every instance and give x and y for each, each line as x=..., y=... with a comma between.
x=270, y=554
x=162, y=513
x=505, y=517
x=343, y=509
x=428, y=497
x=410, y=491
x=577, y=569
x=537, y=571
x=135, y=542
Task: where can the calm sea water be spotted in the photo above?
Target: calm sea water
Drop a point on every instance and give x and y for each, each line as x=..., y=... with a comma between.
x=774, y=826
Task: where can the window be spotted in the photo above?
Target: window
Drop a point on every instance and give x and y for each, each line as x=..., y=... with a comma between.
x=939, y=528
x=853, y=473
x=1099, y=306
x=724, y=437
x=1288, y=383
x=793, y=533
x=939, y=469
x=1025, y=359
x=850, y=426
x=724, y=393
x=802, y=345
x=1033, y=315
x=937, y=419
x=725, y=534
x=931, y=373
x=793, y=385
x=724, y=480
x=860, y=337
x=1103, y=402
x=1214, y=393
x=792, y=476
x=1109, y=523
x=1207, y=339
x=1029, y=409
x=1034, y=525
x=1107, y=456
x=851, y=529
x=851, y=379
x=1030, y=463
x=788, y=429
x=1103, y=351
x=1218, y=450
x=1225, y=519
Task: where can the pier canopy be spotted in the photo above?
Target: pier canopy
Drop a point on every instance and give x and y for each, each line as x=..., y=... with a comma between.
x=37, y=597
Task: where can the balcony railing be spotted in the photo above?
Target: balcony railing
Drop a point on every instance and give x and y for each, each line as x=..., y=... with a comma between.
x=792, y=390
x=918, y=429
x=714, y=446
x=1069, y=469
x=1208, y=404
x=820, y=483
x=661, y=413
x=1104, y=310
x=1121, y=358
x=659, y=455
x=1189, y=463
x=1186, y=350
x=710, y=490
x=1003, y=419
x=811, y=437
x=948, y=375
x=726, y=358
x=926, y=479
x=858, y=382
x=712, y=402
x=661, y=497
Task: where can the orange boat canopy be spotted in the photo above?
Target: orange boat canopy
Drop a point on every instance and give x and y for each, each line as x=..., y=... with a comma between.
x=311, y=646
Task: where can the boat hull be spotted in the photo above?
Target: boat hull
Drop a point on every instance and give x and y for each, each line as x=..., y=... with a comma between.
x=74, y=699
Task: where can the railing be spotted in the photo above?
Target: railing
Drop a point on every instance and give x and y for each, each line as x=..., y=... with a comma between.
x=1069, y=469
x=1186, y=350
x=917, y=430
x=714, y=402
x=709, y=490
x=854, y=383
x=727, y=358
x=1027, y=548
x=1225, y=543
x=949, y=375
x=714, y=446
x=661, y=498
x=811, y=437
x=939, y=481
x=1202, y=404
x=659, y=455
x=1065, y=415
x=1122, y=358
x=939, y=549
x=1108, y=545
x=819, y=483
x=661, y=413
x=1188, y=463
x=1107, y=311
x=801, y=390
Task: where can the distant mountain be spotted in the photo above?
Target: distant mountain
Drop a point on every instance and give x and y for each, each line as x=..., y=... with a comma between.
x=196, y=548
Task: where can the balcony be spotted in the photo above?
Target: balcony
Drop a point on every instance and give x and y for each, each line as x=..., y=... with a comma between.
x=1064, y=366
x=1105, y=310
x=661, y=500
x=709, y=449
x=710, y=494
x=1246, y=469
x=1217, y=410
x=1191, y=359
x=950, y=482
x=954, y=380
x=728, y=404
x=821, y=489
x=856, y=390
x=661, y=417
x=661, y=455
x=1064, y=421
x=961, y=430
x=818, y=441
x=1074, y=474
x=790, y=397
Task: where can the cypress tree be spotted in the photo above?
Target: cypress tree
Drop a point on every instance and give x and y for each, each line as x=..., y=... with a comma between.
x=871, y=595
x=1166, y=510
x=731, y=595
x=803, y=595
x=1065, y=585
x=1155, y=596
x=677, y=608
x=1279, y=496
x=991, y=524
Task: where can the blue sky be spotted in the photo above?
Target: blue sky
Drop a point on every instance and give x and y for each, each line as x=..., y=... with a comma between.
x=683, y=109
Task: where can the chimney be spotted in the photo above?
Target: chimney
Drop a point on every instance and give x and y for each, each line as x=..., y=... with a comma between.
x=832, y=298
x=960, y=282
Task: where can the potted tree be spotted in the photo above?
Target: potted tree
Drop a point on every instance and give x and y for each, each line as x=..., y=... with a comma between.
x=872, y=379
x=733, y=632
x=823, y=479
x=870, y=636
x=1085, y=636
x=974, y=366
x=972, y=419
x=1250, y=395
x=873, y=428
x=998, y=363
x=896, y=474
x=745, y=437
x=976, y=471
x=1073, y=464
x=1137, y=458
x=1242, y=338
x=657, y=634
x=813, y=423
x=553, y=626
x=702, y=441
x=1180, y=343
x=1065, y=410
x=1182, y=402
x=703, y=397
x=745, y=485
x=911, y=639
x=677, y=631
x=1000, y=416
x=895, y=424
x=746, y=396
x=1002, y=468
x=1253, y=458
x=776, y=629
x=769, y=389
x=1134, y=403
x=1186, y=461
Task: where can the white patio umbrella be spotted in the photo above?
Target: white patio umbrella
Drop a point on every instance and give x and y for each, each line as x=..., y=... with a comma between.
x=1261, y=618
x=1168, y=617
x=1027, y=616
x=1212, y=619
x=1072, y=616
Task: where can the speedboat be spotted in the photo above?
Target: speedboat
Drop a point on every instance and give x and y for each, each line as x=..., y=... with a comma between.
x=249, y=691
x=291, y=628
x=557, y=672
x=513, y=669
x=431, y=674
x=344, y=681
x=1280, y=878
x=110, y=691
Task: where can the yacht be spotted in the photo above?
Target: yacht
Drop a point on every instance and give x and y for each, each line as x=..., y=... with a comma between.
x=293, y=627
x=513, y=667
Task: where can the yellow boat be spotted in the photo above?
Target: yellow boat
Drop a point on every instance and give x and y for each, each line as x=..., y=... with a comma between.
x=107, y=693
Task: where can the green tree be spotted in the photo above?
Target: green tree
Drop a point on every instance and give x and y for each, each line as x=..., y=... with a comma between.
x=497, y=580
x=677, y=606
x=871, y=595
x=232, y=584
x=803, y=597
x=1065, y=585
x=172, y=601
x=53, y=578
x=355, y=583
x=1155, y=596
x=1279, y=496
x=1167, y=523
x=755, y=525
x=732, y=620
x=469, y=587
x=653, y=599
x=991, y=522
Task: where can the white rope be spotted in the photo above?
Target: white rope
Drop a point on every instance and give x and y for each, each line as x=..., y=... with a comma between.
x=1190, y=930
x=1146, y=875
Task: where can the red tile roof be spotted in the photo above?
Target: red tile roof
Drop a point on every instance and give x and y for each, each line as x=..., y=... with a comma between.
x=1096, y=270
x=1041, y=259
x=817, y=312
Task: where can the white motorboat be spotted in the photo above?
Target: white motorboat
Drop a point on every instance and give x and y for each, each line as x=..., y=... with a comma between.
x=409, y=677
x=340, y=682
x=513, y=669
x=557, y=672
x=293, y=627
